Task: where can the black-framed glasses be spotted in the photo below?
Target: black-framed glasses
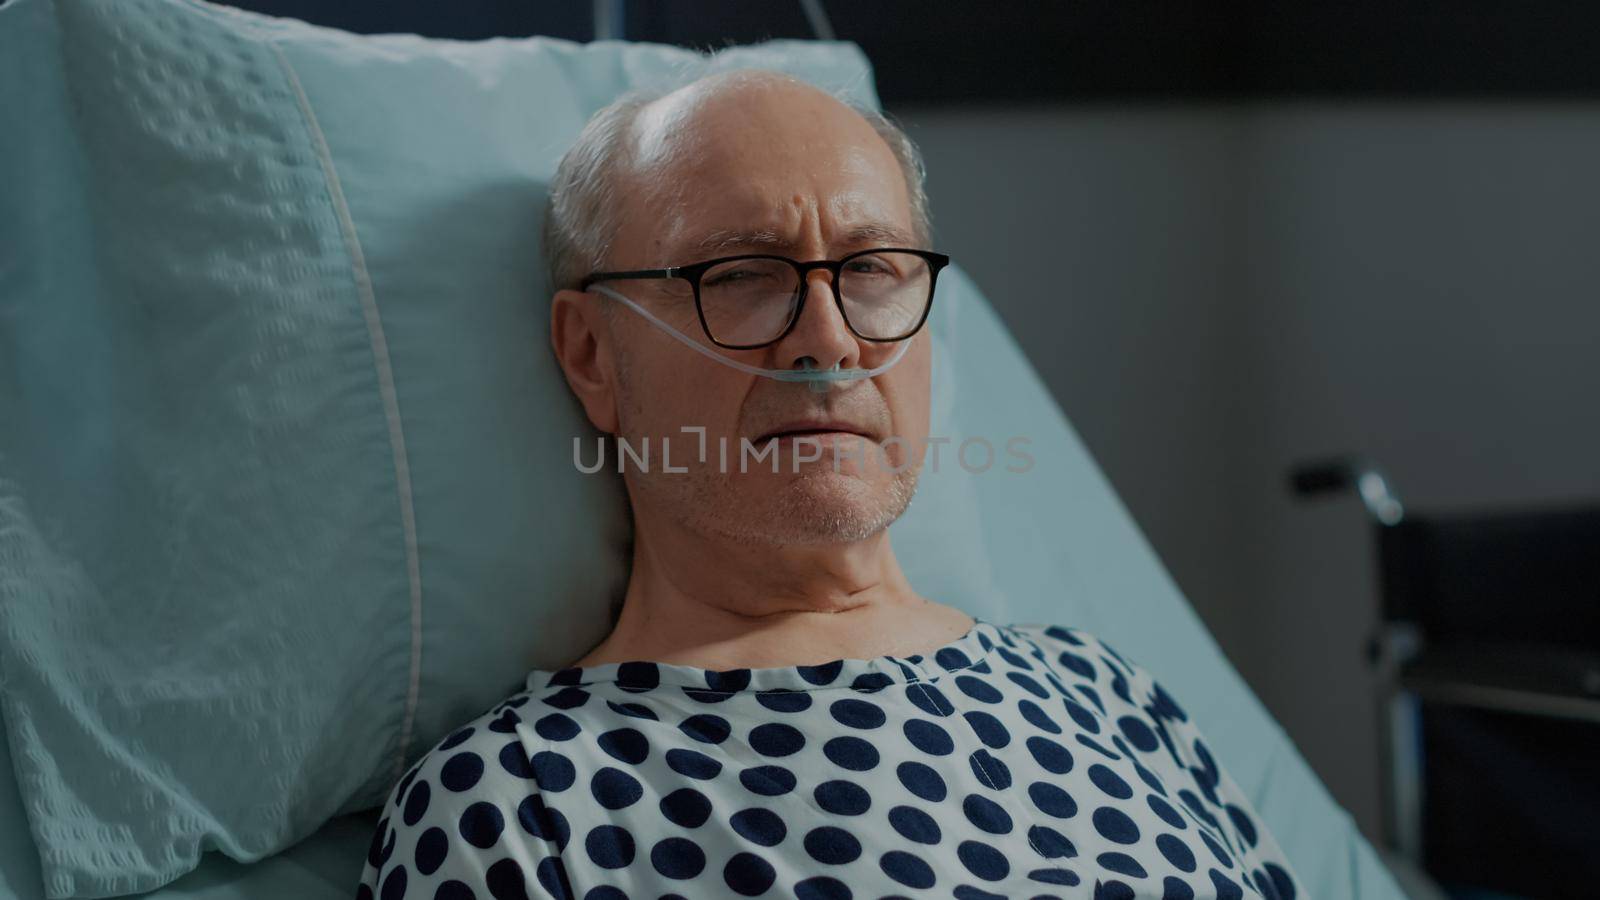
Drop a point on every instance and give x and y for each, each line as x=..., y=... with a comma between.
x=754, y=300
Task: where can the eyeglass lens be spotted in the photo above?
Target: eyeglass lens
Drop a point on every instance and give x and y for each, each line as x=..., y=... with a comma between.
x=751, y=301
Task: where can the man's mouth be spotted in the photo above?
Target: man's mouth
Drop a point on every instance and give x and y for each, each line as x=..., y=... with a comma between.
x=815, y=430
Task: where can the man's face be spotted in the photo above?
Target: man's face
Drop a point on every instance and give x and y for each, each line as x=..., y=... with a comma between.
x=765, y=168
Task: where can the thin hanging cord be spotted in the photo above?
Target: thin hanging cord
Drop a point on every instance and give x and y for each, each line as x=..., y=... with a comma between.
x=818, y=17
x=609, y=20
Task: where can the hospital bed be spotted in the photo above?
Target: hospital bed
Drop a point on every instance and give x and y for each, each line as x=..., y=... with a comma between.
x=270, y=328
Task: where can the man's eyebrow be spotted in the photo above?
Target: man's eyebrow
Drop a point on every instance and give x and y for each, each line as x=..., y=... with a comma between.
x=733, y=238
x=880, y=234
x=867, y=235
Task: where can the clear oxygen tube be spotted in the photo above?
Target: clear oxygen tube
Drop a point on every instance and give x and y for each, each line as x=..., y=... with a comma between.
x=818, y=379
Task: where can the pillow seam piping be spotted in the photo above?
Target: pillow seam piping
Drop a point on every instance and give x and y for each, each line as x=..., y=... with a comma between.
x=386, y=388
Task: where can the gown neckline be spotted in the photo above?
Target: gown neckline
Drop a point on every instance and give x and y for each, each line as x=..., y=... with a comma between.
x=964, y=652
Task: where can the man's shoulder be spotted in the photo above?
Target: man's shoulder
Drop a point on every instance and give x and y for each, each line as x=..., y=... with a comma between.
x=1056, y=637
x=507, y=733
x=1094, y=663
x=471, y=737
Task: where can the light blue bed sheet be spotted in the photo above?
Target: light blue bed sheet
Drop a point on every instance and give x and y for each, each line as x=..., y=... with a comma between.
x=326, y=866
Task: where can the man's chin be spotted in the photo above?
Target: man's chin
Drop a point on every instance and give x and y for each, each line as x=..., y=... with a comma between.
x=823, y=487
x=824, y=506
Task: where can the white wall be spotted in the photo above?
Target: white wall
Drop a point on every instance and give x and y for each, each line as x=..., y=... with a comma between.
x=1214, y=292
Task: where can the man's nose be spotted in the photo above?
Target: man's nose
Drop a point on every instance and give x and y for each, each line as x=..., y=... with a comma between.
x=821, y=332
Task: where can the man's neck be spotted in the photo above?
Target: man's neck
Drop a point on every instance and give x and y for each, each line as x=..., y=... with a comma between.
x=722, y=605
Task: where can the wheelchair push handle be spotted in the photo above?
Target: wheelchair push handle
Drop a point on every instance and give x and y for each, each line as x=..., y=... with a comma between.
x=1321, y=477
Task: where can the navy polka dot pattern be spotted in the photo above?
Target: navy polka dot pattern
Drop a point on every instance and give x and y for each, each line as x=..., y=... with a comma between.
x=1026, y=761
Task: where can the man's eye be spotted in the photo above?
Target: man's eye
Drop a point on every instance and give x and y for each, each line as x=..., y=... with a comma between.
x=870, y=267
x=736, y=275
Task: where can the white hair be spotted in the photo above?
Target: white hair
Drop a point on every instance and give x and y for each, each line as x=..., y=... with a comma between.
x=581, y=218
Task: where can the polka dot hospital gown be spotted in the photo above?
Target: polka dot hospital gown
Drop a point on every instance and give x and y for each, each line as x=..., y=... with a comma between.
x=1015, y=761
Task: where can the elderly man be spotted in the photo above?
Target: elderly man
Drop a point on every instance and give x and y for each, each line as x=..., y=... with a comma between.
x=742, y=265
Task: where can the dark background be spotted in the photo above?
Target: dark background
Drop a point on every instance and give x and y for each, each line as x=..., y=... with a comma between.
x=965, y=51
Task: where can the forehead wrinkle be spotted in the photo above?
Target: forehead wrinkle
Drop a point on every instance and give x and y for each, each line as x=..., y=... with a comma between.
x=672, y=167
x=866, y=235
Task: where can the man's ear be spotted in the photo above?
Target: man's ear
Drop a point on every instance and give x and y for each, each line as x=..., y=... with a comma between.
x=582, y=343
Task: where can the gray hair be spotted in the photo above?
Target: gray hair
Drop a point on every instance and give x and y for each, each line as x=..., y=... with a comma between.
x=581, y=218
